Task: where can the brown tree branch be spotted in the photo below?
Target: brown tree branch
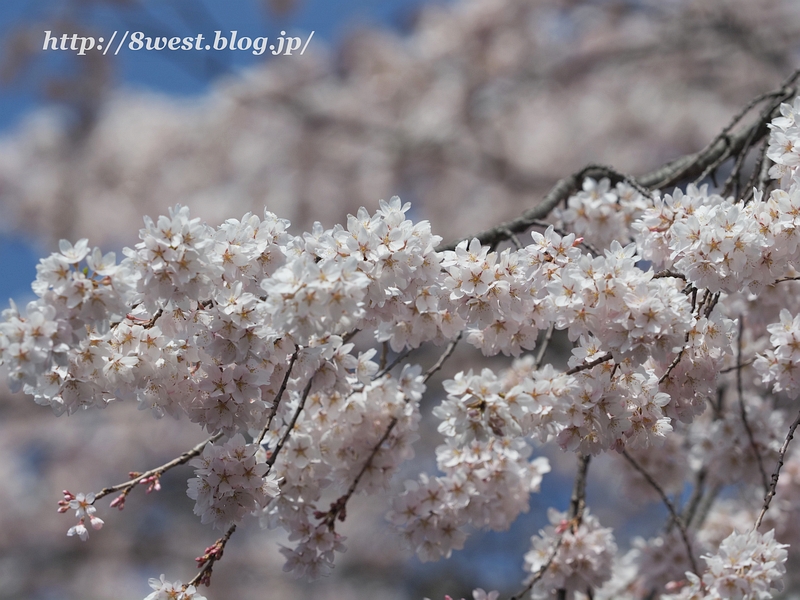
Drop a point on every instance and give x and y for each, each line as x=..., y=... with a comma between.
x=156, y=473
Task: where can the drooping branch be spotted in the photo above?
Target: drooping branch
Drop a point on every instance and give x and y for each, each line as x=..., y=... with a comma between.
x=723, y=146
x=577, y=503
x=559, y=193
x=278, y=397
x=577, y=506
x=537, y=363
x=589, y=365
x=338, y=509
x=274, y=455
x=743, y=410
x=670, y=507
x=154, y=474
x=206, y=562
x=777, y=473
x=445, y=355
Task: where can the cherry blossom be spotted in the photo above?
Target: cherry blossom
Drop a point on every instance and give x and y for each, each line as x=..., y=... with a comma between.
x=293, y=353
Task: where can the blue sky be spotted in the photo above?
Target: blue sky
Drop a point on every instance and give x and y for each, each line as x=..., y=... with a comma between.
x=329, y=20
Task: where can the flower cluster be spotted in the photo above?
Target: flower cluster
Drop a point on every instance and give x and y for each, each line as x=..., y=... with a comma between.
x=748, y=566
x=53, y=349
x=268, y=340
x=339, y=436
x=601, y=215
x=83, y=505
x=720, y=244
x=577, y=556
x=780, y=365
x=723, y=445
x=691, y=383
x=485, y=484
x=172, y=262
x=507, y=298
x=165, y=590
x=784, y=140
x=661, y=560
x=611, y=405
x=230, y=483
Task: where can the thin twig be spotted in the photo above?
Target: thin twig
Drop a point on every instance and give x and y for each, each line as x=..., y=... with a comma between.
x=278, y=396
x=445, y=355
x=670, y=507
x=394, y=363
x=338, y=509
x=764, y=116
x=675, y=361
x=733, y=181
x=750, y=105
x=543, y=346
x=158, y=471
x=542, y=570
x=774, y=484
x=212, y=554
x=763, y=175
x=746, y=363
x=577, y=502
x=712, y=303
x=350, y=335
x=384, y=354
x=273, y=457
x=704, y=506
x=589, y=365
x=697, y=494
x=577, y=505
x=743, y=410
x=757, y=170
x=723, y=135
x=711, y=169
x=514, y=239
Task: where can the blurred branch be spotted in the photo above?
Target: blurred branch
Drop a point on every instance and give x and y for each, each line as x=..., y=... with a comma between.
x=774, y=484
x=670, y=507
x=743, y=409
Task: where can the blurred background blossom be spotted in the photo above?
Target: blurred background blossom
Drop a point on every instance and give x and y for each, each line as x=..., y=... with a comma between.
x=470, y=109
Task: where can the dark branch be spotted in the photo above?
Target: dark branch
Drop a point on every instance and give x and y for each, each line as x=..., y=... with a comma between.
x=774, y=484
